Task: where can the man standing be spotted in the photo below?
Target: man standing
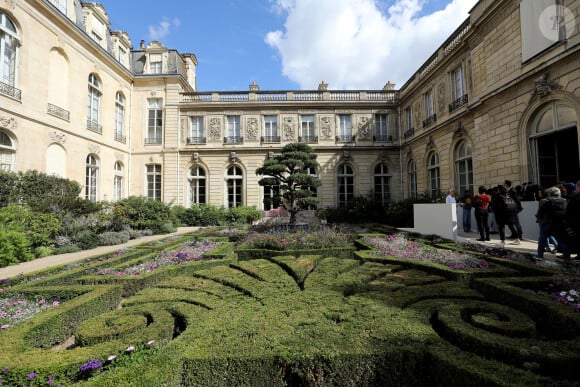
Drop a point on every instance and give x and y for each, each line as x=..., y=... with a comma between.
x=451, y=197
x=480, y=203
x=466, y=203
x=514, y=195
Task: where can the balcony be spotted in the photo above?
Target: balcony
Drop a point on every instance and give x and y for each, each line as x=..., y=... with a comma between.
x=94, y=126
x=270, y=139
x=195, y=140
x=382, y=138
x=429, y=120
x=10, y=91
x=153, y=141
x=308, y=139
x=120, y=138
x=345, y=139
x=58, y=112
x=233, y=140
x=459, y=102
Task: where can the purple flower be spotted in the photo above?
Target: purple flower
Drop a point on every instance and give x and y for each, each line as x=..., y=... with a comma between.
x=32, y=375
x=91, y=365
x=5, y=369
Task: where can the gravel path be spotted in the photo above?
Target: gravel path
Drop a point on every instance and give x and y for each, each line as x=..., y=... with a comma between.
x=61, y=259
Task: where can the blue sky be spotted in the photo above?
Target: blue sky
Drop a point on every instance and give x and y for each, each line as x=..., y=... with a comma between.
x=294, y=44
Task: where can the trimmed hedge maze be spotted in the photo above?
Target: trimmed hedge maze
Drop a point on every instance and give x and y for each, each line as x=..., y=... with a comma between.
x=300, y=319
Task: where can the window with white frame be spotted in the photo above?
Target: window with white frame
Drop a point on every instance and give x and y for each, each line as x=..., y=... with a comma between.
x=8, y=49
x=235, y=184
x=345, y=192
x=92, y=178
x=122, y=56
x=457, y=84
x=7, y=153
x=119, y=117
x=234, y=129
x=382, y=127
x=271, y=129
x=271, y=197
x=308, y=133
x=155, y=63
x=196, y=131
x=408, y=119
x=412, y=178
x=94, y=103
x=61, y=5
x=118, y=182
x=197, y=185
x=433, y=173
x=154, y=121
x=344, y=128
x=428, y=102
x=463, y=167
x=382, y=183
x=154, y=182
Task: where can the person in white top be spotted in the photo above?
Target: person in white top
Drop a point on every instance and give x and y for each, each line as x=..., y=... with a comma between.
x=451, y=197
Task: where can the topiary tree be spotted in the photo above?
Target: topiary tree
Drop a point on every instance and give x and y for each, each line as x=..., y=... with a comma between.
x=291, y=171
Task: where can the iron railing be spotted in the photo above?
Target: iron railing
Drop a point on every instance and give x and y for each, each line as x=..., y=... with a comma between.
x=59, y=112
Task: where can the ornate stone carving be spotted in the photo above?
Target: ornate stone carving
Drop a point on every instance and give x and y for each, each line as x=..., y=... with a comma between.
x=326, y=127
x=215, y=128
x=58, y=137
x=459, y=130
x=94, y=148
x=252, y=128
x=7, y=122
x=543, y=86
x=441, y=97
x=289, y=128
x=417, y=111
x=383, y=157
x=184, y=129
x=119, y=156
x=430, y=144
x=364, y=125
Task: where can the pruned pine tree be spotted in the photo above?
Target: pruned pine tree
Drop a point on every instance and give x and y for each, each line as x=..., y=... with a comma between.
x=292, y=171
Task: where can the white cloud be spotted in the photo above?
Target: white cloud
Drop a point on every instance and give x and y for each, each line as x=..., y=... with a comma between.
x=161, y=30
x=352, y=44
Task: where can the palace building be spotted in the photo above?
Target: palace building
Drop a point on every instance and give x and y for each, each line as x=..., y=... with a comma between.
x=499, y=99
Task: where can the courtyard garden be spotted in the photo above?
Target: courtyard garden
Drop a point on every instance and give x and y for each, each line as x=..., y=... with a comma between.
x=326, y=306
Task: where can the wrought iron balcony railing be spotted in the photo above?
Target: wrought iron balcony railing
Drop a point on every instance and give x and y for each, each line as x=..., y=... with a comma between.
x=94, y=126
x=429, y=120
x=59, y=112
x=270, y=139
x=383, y=138
x=459, y=102
x=195, y=140
x=409, y=132
x=345, y=138
x=10, y=91
x=233, y=140
x=308, y=139
x=121, y=138
x=153, y=140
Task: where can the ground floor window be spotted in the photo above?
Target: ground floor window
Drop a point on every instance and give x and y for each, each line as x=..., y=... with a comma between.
x=154, y=181
x=234, y=182
x=197, y=186
x=345, y=184
x=91, y=179
x=382, y=184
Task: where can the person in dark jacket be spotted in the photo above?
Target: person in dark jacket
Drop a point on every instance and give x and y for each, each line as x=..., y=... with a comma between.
x=505, y=213
x=480, y=203
x=514, y=195
x=552, y=217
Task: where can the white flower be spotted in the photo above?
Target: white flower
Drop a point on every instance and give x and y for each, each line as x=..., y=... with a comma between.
x=573, y=292
x=562, y=293
x=570, y=298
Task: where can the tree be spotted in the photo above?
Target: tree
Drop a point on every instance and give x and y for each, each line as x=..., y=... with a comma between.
x=291, y=171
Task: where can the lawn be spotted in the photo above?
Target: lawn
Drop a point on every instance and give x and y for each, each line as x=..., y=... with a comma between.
x=351, y=308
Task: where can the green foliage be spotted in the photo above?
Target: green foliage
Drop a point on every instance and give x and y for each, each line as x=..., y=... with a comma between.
x=110, y=238
x=244, y=214
x=14, y=248
x=290, y=172
x=141, y=213
x=38, y=228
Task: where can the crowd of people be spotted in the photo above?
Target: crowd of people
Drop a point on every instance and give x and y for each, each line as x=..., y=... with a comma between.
x=558, y=215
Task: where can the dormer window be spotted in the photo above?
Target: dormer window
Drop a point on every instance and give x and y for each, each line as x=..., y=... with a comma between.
x=155, y=63
x=61, y=5
x=122, y=56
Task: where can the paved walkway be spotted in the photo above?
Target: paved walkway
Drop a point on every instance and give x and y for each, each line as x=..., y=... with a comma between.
x=55, y=260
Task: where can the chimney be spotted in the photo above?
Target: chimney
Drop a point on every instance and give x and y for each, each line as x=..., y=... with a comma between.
x=142, y=44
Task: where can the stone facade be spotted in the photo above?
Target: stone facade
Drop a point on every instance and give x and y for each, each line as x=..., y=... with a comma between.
x=473, y=114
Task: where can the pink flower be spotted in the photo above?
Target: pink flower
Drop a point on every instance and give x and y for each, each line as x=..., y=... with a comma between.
x=112, y=357
x=42, y=301
x=130, y=348
x=5, y=326
x=151, y=342
x=55, y=304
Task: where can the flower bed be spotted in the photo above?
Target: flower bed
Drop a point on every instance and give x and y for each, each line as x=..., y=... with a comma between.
x=15, y=309
x=321, y=238
x=398, y=246
x=188, y=252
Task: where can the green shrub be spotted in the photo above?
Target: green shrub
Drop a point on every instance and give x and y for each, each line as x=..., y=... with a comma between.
x=40, y=229
x=86, y=240
x=142, y=213
x=14, y=248
x=110, y=238
x=244, y=214
x=42, y=251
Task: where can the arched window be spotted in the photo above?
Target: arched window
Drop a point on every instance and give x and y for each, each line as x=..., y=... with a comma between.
x=94, y=103
x=154, y=181
x=345, y=176
x=412, y=178
x=553, y=144
x=92, y=178
x=463, y=167
x=8, y=50
x=197, y=186
x=433, y=174
x=119, y=117
x=235, y=183
x=118, y=182
x=382, y=183
x=7, y=153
